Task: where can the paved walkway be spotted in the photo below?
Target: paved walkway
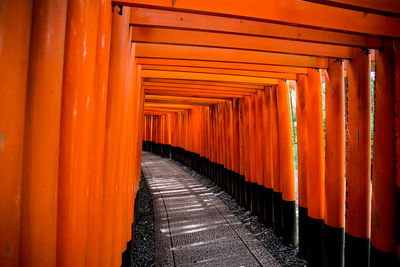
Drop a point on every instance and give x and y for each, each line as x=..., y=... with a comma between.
x=192, y=226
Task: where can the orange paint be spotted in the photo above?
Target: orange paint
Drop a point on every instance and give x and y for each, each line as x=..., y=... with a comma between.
x=97, y=149
x=267, y=129
x=76, y=132
x=286, y=171
x=42, y=135
x=383, y=231
x=335, y=145
x=119, y=52
x=302, y=140
x=15, y=30
x=358, y=148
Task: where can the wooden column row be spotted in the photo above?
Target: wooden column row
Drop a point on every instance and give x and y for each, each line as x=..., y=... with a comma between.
x=70, y=133
x=339, y=222
x=237, y=138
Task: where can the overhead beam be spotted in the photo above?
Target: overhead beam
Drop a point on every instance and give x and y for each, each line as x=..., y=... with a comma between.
x=226, y=40
x=182, y=99
x=209, y=23
x=208, y=83
x=205, y=77
x=195, y=94
x=199, y=87
x=167, y=105
x=289, y=12
x=277, y=75
x=163, y=109
x=219, y=65
x=383, y=7
x=195, y=90
x=228, y=55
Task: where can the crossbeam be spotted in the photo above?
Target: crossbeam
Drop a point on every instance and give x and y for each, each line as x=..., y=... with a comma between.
x=227, y=55
x=289, y=12
x=209, y=23
x=225, y=40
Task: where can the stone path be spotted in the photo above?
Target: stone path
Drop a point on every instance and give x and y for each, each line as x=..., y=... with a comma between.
x=192, y=226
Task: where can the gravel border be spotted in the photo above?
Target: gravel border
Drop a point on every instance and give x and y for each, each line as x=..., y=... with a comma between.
x=284, y=254
x=143, y=247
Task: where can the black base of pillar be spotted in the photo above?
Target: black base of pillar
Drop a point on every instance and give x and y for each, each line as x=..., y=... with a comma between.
x=289, y=222
x=333, y=249
x=127, y=255
x=303, y=232
x=242, y=191
x=277, y=222
x=268, y=206
x=315, y=241
x=381, y=258
x=356, y=251
x=247, y=195
x=253, y=193
x=260, y=201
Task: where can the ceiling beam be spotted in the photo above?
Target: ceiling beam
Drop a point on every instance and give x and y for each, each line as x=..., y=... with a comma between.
x=289, y=12
x=227, y=55
x=205, y=76
x=383, y=7
x=206, y=83
x=234, y=41
x=218, y=65
x=277, y=75
x=195, y=93
x=193, y=90
x=182, y=99
x=210, y=23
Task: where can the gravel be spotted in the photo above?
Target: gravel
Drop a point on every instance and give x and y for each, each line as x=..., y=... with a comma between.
x=143, y=239
x=284, y=254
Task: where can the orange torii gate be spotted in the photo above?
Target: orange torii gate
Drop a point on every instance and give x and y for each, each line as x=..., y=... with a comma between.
x=84, y=82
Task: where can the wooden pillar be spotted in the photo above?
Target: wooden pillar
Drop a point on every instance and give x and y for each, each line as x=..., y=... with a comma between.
x=268, y=157
x=42, y=135
x=253, y=153
x=259, y=146
x=286, y=172
x=311, y=136
x=302, y=158
x=334, y=160
x=383, y=233
x=119, y=51
x=396, y=55
x=76, y=131
x=15, y=30
x=246, y=148
x=277, y=194
x=98, y=134
x=358, y=161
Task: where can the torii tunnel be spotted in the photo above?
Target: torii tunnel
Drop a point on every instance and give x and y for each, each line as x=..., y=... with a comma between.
x=290, y=106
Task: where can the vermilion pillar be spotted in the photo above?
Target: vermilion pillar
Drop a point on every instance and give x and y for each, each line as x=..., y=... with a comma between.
x=259, y=146
x=334, y=160
x=42, y=133
x=277, y=194
x=15, y=30
x=119, y=52
x=396, y=55
x=309, y=93
x=268, y=157
x=383, y=231
x=98, y=134
x=302, y=158
x=286, y=172
x=246, y=148
x=358, y=161
x=76, y=129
